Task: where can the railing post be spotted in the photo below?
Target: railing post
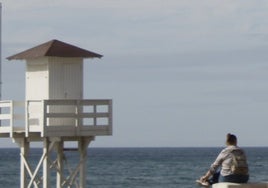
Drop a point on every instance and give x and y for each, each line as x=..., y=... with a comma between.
x=110, y=112
x=27, y=118
x=95, y=112
x=43, y=117
x=78, y=112
x=11, y=118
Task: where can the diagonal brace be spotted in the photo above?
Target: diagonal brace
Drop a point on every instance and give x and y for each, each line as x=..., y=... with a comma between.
x=40, y=163
x=28, y=170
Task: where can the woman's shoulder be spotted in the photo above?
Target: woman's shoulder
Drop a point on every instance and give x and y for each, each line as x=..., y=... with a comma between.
x=229, y=149
x=232, y=149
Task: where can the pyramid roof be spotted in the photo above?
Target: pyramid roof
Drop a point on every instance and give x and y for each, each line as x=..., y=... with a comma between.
x=54, y=48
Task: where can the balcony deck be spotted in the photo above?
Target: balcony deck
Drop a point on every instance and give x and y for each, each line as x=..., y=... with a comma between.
x=55, y=118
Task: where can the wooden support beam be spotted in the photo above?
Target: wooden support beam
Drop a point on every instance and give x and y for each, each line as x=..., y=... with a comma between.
x=24, y=151
x=82, y=146
x=60, y=157
x=45, y=159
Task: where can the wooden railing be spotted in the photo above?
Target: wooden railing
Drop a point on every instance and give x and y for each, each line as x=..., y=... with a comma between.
x=11, y=116
x=56, y=117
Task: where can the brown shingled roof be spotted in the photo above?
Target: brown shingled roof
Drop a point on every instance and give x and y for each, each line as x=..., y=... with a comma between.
x=54, y=48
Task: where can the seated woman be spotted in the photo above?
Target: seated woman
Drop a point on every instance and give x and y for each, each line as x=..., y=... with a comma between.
x=233, y=163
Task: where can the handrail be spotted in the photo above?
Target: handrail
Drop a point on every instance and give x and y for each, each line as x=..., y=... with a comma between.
x=39, y=115
x=7, y=114
x=77, y=113
x=100, y=109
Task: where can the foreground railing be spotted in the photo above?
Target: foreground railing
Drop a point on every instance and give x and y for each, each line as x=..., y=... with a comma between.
x=56, y=117
x=11, y=116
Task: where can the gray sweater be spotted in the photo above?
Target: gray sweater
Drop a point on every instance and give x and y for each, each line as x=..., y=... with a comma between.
x=225, y=161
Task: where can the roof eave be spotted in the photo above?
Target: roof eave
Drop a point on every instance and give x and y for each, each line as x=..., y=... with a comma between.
x=54, y=48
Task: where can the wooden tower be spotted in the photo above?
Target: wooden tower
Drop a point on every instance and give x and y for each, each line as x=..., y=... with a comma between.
x=54, y=113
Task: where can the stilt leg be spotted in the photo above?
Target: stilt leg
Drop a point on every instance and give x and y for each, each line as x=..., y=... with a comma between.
x=24, y=150
x=83, y=145
x=46, y=169
x=60, y=168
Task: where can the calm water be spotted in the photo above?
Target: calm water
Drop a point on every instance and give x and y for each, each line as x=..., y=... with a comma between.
x=139, y=167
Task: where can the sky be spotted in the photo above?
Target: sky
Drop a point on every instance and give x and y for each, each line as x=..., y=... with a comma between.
x=181, y=73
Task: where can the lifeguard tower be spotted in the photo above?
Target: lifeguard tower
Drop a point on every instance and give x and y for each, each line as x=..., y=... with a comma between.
x=54, y=113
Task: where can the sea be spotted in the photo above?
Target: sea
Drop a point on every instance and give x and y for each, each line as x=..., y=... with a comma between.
x=136, y=167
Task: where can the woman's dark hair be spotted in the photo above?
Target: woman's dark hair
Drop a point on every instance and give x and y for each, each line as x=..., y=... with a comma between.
x=231, y=139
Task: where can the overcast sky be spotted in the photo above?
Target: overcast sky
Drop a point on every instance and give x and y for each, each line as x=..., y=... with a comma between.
x=180, y=72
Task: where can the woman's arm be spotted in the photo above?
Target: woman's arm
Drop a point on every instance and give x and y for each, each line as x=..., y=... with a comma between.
x=215, y=165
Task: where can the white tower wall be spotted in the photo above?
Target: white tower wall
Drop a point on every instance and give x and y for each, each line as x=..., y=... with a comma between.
x=54, y=78
x=65, y=78
x=37, y=79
